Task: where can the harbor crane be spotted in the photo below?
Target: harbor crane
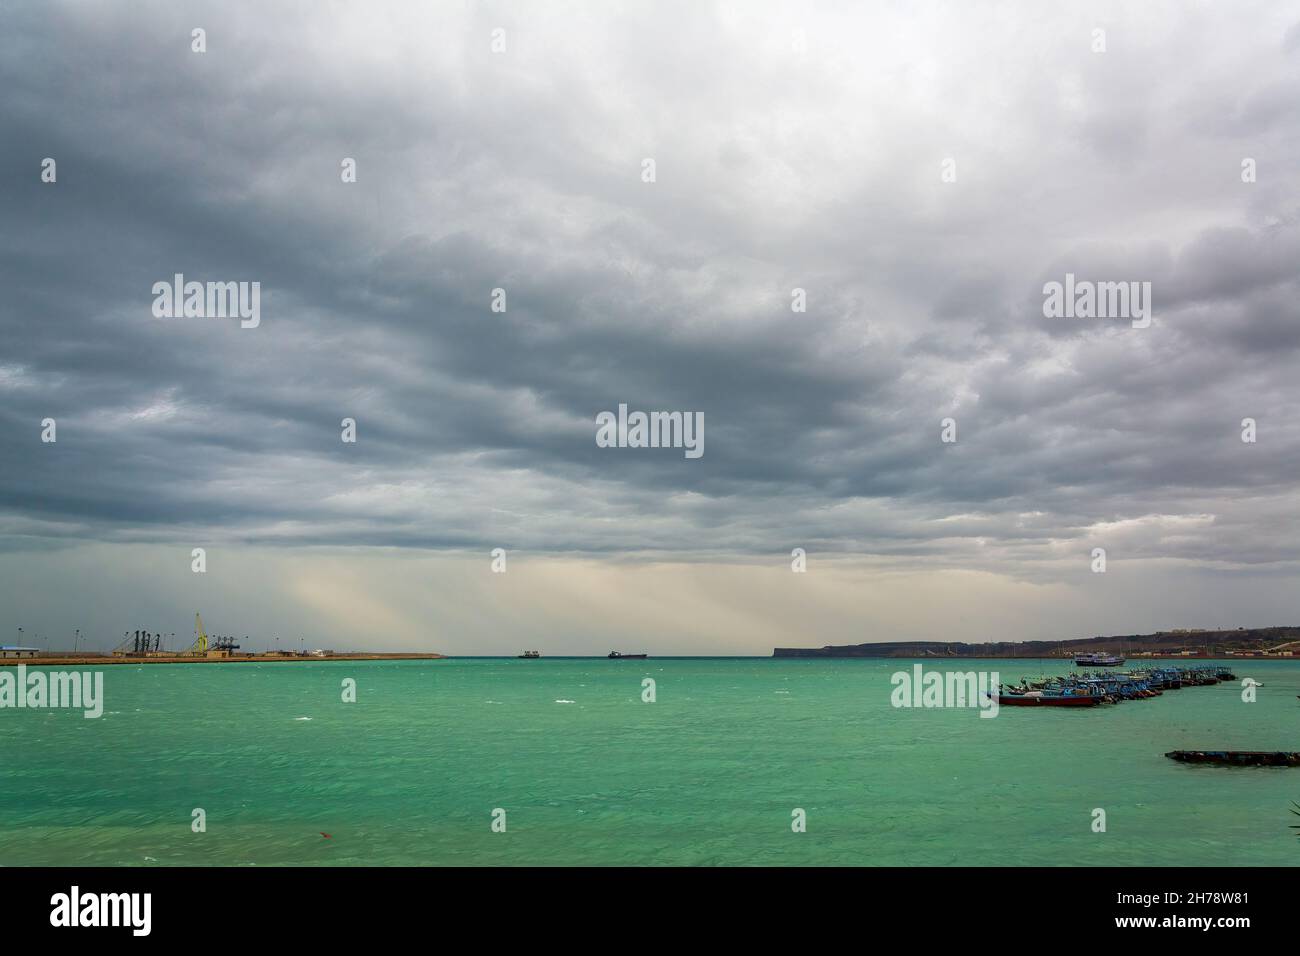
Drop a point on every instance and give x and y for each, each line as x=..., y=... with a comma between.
x=139, y=643
x=200, y=645
x=203, y=644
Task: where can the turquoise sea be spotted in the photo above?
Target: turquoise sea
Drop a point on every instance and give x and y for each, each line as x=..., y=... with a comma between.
x=588, y=773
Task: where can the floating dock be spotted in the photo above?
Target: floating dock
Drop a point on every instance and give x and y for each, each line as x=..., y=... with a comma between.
x=1238, y=758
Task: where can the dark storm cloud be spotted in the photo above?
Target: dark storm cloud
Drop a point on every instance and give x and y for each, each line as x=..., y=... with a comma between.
x=775, y=170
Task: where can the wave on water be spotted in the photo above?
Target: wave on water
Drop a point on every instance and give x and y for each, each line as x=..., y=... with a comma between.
x=566, y=701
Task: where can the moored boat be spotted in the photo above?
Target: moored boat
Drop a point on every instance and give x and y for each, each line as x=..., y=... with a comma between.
x=1097, y=659
x=1038, y=698
x=1084, y=688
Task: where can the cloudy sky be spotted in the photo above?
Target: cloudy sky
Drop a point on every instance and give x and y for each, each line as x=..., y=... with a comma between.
x=793, y=148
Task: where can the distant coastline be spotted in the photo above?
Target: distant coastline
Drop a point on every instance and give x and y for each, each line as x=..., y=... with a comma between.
x=1279, y=642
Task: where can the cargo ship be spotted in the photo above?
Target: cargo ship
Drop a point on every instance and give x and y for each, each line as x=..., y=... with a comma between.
x=617, y=656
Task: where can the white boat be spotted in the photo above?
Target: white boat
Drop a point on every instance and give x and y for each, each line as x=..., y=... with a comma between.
x=1097, y=659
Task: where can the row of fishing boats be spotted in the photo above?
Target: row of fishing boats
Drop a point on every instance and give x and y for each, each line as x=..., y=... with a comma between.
x=1086, y=689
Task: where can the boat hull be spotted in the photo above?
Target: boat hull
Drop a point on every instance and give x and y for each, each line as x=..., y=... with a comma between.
x=1027, y=700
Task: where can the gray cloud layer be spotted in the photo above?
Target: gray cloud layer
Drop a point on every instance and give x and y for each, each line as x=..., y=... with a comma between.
x=776, y=169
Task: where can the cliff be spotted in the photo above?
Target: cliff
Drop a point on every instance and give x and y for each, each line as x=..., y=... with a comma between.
x=1161, y=642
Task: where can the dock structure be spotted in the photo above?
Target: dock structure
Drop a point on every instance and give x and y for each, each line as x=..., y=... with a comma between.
x=145, y=647
x=1238, y=758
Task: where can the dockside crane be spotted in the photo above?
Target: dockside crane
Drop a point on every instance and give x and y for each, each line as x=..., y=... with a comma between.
x=138, y=644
